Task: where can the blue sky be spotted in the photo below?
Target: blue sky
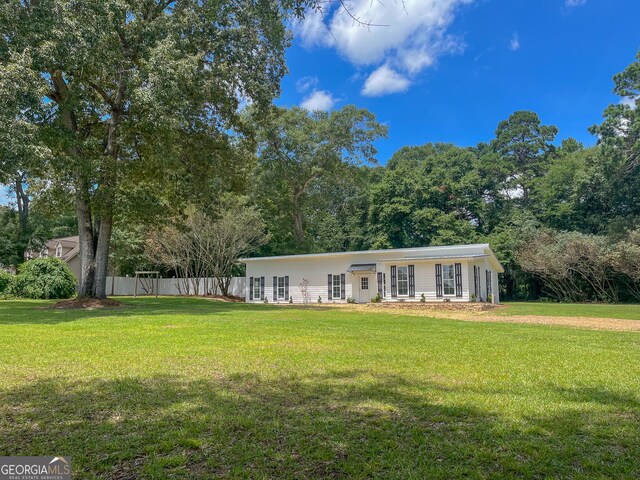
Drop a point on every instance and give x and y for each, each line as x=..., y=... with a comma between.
x=450, y=70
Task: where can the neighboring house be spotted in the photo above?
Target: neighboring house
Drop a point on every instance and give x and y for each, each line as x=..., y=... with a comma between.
x=459, y=273
x=67, y=248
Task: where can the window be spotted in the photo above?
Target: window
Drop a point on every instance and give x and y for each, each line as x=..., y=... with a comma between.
x=403, y=280
x=59, y=251
x=364, y=283
x=280, y=287
x=448, y=280
x=44, y=252
x=256, y=288
x=336, y=287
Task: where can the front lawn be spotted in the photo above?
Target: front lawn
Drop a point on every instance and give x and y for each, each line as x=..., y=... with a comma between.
x=190, y=388
x=589, y=310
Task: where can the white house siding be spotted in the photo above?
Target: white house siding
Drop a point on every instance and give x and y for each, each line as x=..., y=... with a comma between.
x=316, y=268
x=484, y=265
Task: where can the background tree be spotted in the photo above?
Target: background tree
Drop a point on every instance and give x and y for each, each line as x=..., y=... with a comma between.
x=298, y=148
x=523, y=142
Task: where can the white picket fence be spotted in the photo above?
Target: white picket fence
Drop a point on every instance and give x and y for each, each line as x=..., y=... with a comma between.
x=126, y=286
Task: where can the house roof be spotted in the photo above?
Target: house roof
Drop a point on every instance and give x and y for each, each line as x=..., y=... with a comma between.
x=476, y=250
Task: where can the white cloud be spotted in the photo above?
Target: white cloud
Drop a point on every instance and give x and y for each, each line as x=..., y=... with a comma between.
x=630, y=102
x=384, y=80
x=413, y=38
x=514, y=43
x=319, y=100
x=305, y=84
x=574, y=3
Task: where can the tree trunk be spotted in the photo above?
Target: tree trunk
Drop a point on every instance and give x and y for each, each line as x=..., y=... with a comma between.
x=87, y=246
x=22, y=199
x=298, y=228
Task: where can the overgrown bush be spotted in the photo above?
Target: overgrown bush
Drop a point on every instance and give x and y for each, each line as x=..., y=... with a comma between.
x=578, y=267
x=7, y=282
x=44, y=278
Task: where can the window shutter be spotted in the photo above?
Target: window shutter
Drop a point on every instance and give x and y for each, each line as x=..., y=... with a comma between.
x=412, y=281
x=384, y=285
x=380, y=284
x=487, y=284
x=250, y=288
x=458, y=267
x=330, y=285
x=286, y=287
x=439, y=280
x=475, y=280
x=261, y=288
x=275, y=288
x=343, y=286
x=394, y=282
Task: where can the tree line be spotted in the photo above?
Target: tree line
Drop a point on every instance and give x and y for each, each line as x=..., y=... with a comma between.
x=146, y=132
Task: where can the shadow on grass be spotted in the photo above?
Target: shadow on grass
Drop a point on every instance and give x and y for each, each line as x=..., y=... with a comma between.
x=338, y=425
x=15, y=312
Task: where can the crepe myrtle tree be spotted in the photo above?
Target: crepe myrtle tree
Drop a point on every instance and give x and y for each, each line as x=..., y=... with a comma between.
x=122, y=93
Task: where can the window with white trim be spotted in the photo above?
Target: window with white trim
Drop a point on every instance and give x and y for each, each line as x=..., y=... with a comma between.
x=448, y=280
x=364, y=283
x=59, y=251
x=280, y=287
x=403, y=280
x=336, y=287
x=256, y=288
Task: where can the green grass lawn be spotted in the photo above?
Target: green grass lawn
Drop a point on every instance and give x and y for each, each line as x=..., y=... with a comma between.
x=627, y=312
x=190, y=388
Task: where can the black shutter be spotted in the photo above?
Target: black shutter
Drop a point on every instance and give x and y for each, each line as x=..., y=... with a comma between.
x=438, y=280
x=275, y=288
x=412, y=281
x=250, y=288
x=330, y=285
x=286, y=287
x=384, y=285
x=488, y=286
x=475, y=282
x=343, y=286
x=394, y=284
x=380, y=284
x=458, y=280
x=261, y=288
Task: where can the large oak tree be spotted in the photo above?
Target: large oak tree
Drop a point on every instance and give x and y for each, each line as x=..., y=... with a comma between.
x=135, y=95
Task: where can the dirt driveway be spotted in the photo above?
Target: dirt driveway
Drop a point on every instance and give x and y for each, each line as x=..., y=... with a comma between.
x=497, y=313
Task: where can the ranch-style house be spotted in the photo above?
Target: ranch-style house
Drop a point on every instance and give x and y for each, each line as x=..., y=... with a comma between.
x=457, y=273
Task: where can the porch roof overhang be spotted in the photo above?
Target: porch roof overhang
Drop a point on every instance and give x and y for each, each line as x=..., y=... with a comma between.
x=435, y=257
x=362, y=267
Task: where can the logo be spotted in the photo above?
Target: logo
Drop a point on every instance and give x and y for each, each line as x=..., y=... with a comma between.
x=35, y=468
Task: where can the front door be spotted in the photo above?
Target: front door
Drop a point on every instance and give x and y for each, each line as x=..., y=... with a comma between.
x=364, y=288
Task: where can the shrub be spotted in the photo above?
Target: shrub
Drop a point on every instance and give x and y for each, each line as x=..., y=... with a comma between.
x=351, y=300
x=45, y=278
x=7, y=283
x=319, y=299
x=377, y=298
x=423, y=299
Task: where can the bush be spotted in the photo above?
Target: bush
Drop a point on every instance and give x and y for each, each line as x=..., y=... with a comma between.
x=7, y=282
x=44, y=278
